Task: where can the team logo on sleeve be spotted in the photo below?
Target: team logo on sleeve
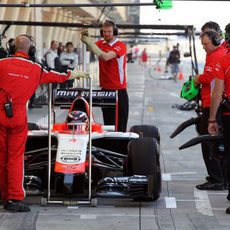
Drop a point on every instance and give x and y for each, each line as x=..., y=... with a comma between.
x=117, y=48
x=208, y=69
x=217, y=67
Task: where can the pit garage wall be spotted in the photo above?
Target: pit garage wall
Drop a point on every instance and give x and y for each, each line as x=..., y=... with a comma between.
x=44, y=35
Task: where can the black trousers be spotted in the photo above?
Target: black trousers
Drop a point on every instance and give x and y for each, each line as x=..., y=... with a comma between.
x=214, y=167
x=123, y=112
x=226, y=132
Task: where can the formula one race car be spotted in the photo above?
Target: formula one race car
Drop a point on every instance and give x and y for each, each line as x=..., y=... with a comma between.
x=87, y=158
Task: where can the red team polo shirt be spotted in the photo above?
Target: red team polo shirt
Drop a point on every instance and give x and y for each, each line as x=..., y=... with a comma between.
x=208, y=75
x=112, y=73
x=225, y=44
x=222, y=72
x=18, y=72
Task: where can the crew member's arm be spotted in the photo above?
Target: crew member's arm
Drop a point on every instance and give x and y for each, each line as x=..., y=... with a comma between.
x=205, y=78
x=56, y=77
x=196, y=80
x=105, y=56
x=215, y=103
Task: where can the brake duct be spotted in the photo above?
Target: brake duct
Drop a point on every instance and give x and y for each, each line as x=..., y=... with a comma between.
x=184, y=125
x=201, y=139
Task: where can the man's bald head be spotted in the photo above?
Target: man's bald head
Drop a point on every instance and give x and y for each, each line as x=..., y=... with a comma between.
x=22, y=43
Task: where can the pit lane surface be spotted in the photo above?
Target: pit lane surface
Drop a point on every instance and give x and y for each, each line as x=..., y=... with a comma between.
x=180, y=206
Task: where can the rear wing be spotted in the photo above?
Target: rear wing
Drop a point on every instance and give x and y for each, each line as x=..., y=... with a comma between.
x=100, y=98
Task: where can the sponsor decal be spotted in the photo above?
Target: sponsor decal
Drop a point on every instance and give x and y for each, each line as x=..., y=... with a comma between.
x=71, y=151
x=69, y=168
x=70, y=159
x=95, y=94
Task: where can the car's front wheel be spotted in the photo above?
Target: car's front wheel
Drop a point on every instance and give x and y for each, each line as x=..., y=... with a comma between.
x=143, y=159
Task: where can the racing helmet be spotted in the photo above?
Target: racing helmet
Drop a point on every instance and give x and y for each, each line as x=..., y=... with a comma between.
x=77, y=117
x=189, y=91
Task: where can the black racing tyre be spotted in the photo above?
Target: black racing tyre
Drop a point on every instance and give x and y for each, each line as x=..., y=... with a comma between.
x=144, y=159
x=146, y=131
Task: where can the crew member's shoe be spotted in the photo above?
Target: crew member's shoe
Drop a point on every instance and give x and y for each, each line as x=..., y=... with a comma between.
x=16, y=206
x=212, y=186
x=210, y=179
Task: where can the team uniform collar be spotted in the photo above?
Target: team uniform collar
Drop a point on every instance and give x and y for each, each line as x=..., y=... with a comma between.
x=21, y=54
x=111, y=43
x=216, y=50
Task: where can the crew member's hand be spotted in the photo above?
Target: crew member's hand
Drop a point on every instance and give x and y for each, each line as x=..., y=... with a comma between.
x=213, y=128
x=85, y=32
x=76, y=74
x=89, y=42
x=196, y=80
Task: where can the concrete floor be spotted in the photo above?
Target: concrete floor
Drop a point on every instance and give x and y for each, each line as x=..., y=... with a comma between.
x=180, y=207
